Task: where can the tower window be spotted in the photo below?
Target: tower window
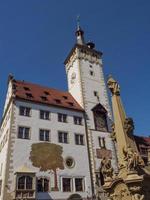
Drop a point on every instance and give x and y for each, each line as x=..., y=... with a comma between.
x=95, y=93
x=102, y=142
x=91, y=73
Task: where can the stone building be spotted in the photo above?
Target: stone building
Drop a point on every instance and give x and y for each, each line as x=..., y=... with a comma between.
x=51, y=141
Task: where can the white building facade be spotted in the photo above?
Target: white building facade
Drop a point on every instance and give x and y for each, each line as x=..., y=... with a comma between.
x=52, y=142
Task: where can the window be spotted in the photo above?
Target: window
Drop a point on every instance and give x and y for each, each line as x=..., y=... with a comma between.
x=91, y=66
x=69, y=161
x=26, y=88
x=91, y=73
x=66, y=184
x=62, y=137
x=29, y=95
x=101, y=141
x=44, y=114
x=46, y=93
x=25, y=111
x=79, y=184
x=23, y=132
x=62, y=117
x=58, y=101
x=100, y=118
x=95, y=93
x=43, y=185
x=79, y=139
x=70, y=103
x=65, y=97
x=25, y=183
x=43, y=98
x=77, y=120
x=44, y=135
x=0, y=186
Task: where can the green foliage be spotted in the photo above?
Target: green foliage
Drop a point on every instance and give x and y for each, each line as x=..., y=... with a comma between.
x=47, y=156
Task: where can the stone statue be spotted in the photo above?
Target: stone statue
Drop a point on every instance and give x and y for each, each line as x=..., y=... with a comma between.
x=129, y=126
x=113, y=133
x=113, y=86
x=132, y=158
x=106, y=168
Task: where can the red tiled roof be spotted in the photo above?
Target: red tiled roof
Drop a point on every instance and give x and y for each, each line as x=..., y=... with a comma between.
x=40, y=94
x=142, y=140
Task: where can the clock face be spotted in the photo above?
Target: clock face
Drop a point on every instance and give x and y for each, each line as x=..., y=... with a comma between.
x=73, y=77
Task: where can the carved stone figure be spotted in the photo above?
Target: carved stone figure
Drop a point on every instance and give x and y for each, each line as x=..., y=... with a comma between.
x=106, y=168
x=113, y=133
x=113, y=86
x=129, y=125
x=132, y=159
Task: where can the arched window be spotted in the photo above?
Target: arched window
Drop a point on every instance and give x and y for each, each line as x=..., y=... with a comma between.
x=24, y=183
x=21, y=182
x=43, y=185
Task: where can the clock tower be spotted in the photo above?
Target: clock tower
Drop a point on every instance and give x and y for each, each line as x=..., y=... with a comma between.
x=87, y=85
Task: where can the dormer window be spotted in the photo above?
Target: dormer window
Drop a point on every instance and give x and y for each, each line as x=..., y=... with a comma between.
x=70, y=103
x=44, y=98
x=26, y=88
x=46, y=93
x=65, y=97
x=29, y=95
x=58, y=101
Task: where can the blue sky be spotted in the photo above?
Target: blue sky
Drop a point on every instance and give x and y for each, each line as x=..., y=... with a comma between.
x=36, y=36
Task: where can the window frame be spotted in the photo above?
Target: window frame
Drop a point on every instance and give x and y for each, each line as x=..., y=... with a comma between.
x=44, y=114
x=23, y=134
x=76, y=120
x=61, y=117
x=25, y=111
x=71, y=184
x=63, y=140
x=79, y=135
x=43, y=184
x=102, y=142
x=44, y=135
x=25, y=182
x=83, y=184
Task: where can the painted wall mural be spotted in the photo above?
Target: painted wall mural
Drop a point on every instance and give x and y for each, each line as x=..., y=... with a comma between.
x=47, y=157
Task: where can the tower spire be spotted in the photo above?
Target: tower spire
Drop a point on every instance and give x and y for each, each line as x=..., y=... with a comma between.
x=79, y=32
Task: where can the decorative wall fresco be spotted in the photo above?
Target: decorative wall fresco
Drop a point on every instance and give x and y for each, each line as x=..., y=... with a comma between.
x=47, y=157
